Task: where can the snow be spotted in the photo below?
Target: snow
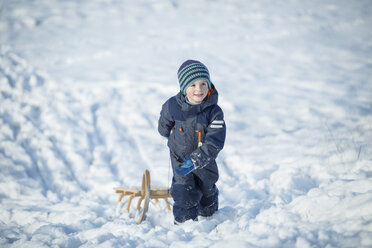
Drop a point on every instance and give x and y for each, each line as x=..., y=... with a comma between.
x=82, y=84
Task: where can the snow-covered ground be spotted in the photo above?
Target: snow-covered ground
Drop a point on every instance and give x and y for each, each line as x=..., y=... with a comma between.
x=82, y=83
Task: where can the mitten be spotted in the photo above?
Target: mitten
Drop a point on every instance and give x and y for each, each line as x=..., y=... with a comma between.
x=186, y=167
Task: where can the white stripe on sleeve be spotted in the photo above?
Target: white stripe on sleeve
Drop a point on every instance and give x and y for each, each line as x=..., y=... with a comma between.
x=221, y=122
x=216, y=126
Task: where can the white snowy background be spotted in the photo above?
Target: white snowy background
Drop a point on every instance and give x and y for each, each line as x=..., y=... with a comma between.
x=82, y=84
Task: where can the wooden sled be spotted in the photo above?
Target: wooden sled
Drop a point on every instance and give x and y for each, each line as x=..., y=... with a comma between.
x=145, y=193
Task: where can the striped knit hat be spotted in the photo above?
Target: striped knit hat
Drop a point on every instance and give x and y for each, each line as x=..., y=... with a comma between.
x=191, y=71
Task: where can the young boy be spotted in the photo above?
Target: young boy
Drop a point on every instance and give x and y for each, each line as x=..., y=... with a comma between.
x=194, y=125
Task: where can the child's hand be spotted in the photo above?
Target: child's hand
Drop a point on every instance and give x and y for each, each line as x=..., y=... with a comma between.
x=186, y=167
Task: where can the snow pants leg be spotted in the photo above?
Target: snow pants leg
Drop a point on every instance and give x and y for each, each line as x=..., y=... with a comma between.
x=194, y=194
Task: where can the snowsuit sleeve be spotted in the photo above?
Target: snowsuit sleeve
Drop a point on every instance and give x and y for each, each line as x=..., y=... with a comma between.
x=166, y=122
x=213, y=142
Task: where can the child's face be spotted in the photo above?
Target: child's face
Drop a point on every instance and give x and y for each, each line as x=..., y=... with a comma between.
x=197, y=91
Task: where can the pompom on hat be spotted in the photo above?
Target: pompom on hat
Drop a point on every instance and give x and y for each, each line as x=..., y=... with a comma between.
x=191, y=71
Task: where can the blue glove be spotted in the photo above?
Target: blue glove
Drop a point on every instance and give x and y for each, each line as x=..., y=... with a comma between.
x=186, y=167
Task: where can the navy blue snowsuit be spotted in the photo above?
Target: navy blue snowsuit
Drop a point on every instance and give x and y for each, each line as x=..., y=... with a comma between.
x=196, y=132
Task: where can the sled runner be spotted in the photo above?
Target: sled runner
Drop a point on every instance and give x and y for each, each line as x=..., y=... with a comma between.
x=145, y=193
